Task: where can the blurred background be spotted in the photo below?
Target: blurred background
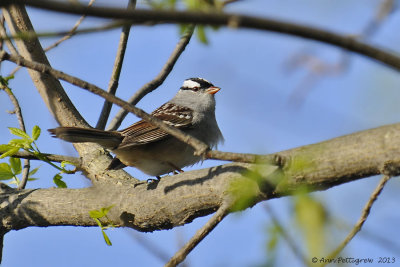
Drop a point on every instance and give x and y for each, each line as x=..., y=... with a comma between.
x=278, y=92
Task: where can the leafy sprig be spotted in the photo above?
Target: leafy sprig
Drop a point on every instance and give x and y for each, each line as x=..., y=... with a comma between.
x=96, y=215
x=27, y=143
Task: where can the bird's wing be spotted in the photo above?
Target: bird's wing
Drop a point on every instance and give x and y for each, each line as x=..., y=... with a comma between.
x=143, y=132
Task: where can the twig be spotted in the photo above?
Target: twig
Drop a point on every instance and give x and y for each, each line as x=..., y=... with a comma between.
x=199, y=236
x=50, y=157
x=364, y=215
x=158, y=80
x=3, y=33
x=71, y=32
x=113, y=85
x=20, y=118
x=286, y=236
x=218, y=19
x=30, y=35
x=66, y=36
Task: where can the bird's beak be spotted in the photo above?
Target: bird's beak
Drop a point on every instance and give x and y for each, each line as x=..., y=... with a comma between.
x=212, y=90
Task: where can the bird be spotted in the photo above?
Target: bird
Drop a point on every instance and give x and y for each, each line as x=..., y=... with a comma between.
x=150, y=149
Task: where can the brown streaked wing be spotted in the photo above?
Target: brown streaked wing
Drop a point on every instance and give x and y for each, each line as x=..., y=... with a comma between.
x=143, y=132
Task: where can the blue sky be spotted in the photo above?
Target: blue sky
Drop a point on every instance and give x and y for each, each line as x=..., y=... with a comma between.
x=255, y=114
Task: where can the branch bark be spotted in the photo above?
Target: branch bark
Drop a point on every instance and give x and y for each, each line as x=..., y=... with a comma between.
x=95, y=158
x=219, y=19
x=179, y=199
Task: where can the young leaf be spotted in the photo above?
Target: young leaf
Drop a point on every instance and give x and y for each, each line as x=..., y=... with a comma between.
x=10, y=152
x=95, y=214
x=36, y=132
x=16, y=165
x=108, y=241
x=32, y=172
x=5, y=171
x=59, y=183
x=19, y=132
x=106, y=209
x=5, y=148
x=201, y=34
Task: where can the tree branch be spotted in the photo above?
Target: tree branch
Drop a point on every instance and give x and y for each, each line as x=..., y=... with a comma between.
x=199, y=146
x=20, y=118
x=51, y=157
x=181, y=255
x=219, y=19
x=95, y=158
x=158, y=80
x=364, y=215
x=113, y=85
x=179, y=199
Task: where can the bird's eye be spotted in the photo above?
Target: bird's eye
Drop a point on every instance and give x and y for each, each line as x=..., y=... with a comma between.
x=195, y=89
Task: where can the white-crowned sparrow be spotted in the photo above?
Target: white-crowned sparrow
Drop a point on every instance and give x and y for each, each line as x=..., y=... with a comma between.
x=150, y=149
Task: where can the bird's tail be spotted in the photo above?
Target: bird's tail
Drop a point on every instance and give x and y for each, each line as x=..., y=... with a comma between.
x=107, y=139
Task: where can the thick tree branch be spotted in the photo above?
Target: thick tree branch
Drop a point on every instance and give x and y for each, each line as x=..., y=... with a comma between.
x=95, y=158
x=181, y=198
x=220, y=19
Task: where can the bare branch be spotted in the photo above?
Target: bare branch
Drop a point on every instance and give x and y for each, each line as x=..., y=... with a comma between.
x=3, y=34
x=158, y=80
x=364, y=215
x=219, y=19
x=113, y=85
x=49, y=88
x=70, y=32
x=94, y=158
x=199, y=236
x=18, y=113
x=51, y=157
x=199, y=146
x=66, y=36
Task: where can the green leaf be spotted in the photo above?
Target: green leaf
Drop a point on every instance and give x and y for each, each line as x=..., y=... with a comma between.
x=96, y=214
x=5, y=171
x=201, y=34
x=5, y=148
x=106, y=209
x=16, y=165
x=108, y=241
x=32, y=172
x=19, y=132
x=311, y=217
x=21, y=143
x=36, y=132
x=10, y=152
x=59, y=183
